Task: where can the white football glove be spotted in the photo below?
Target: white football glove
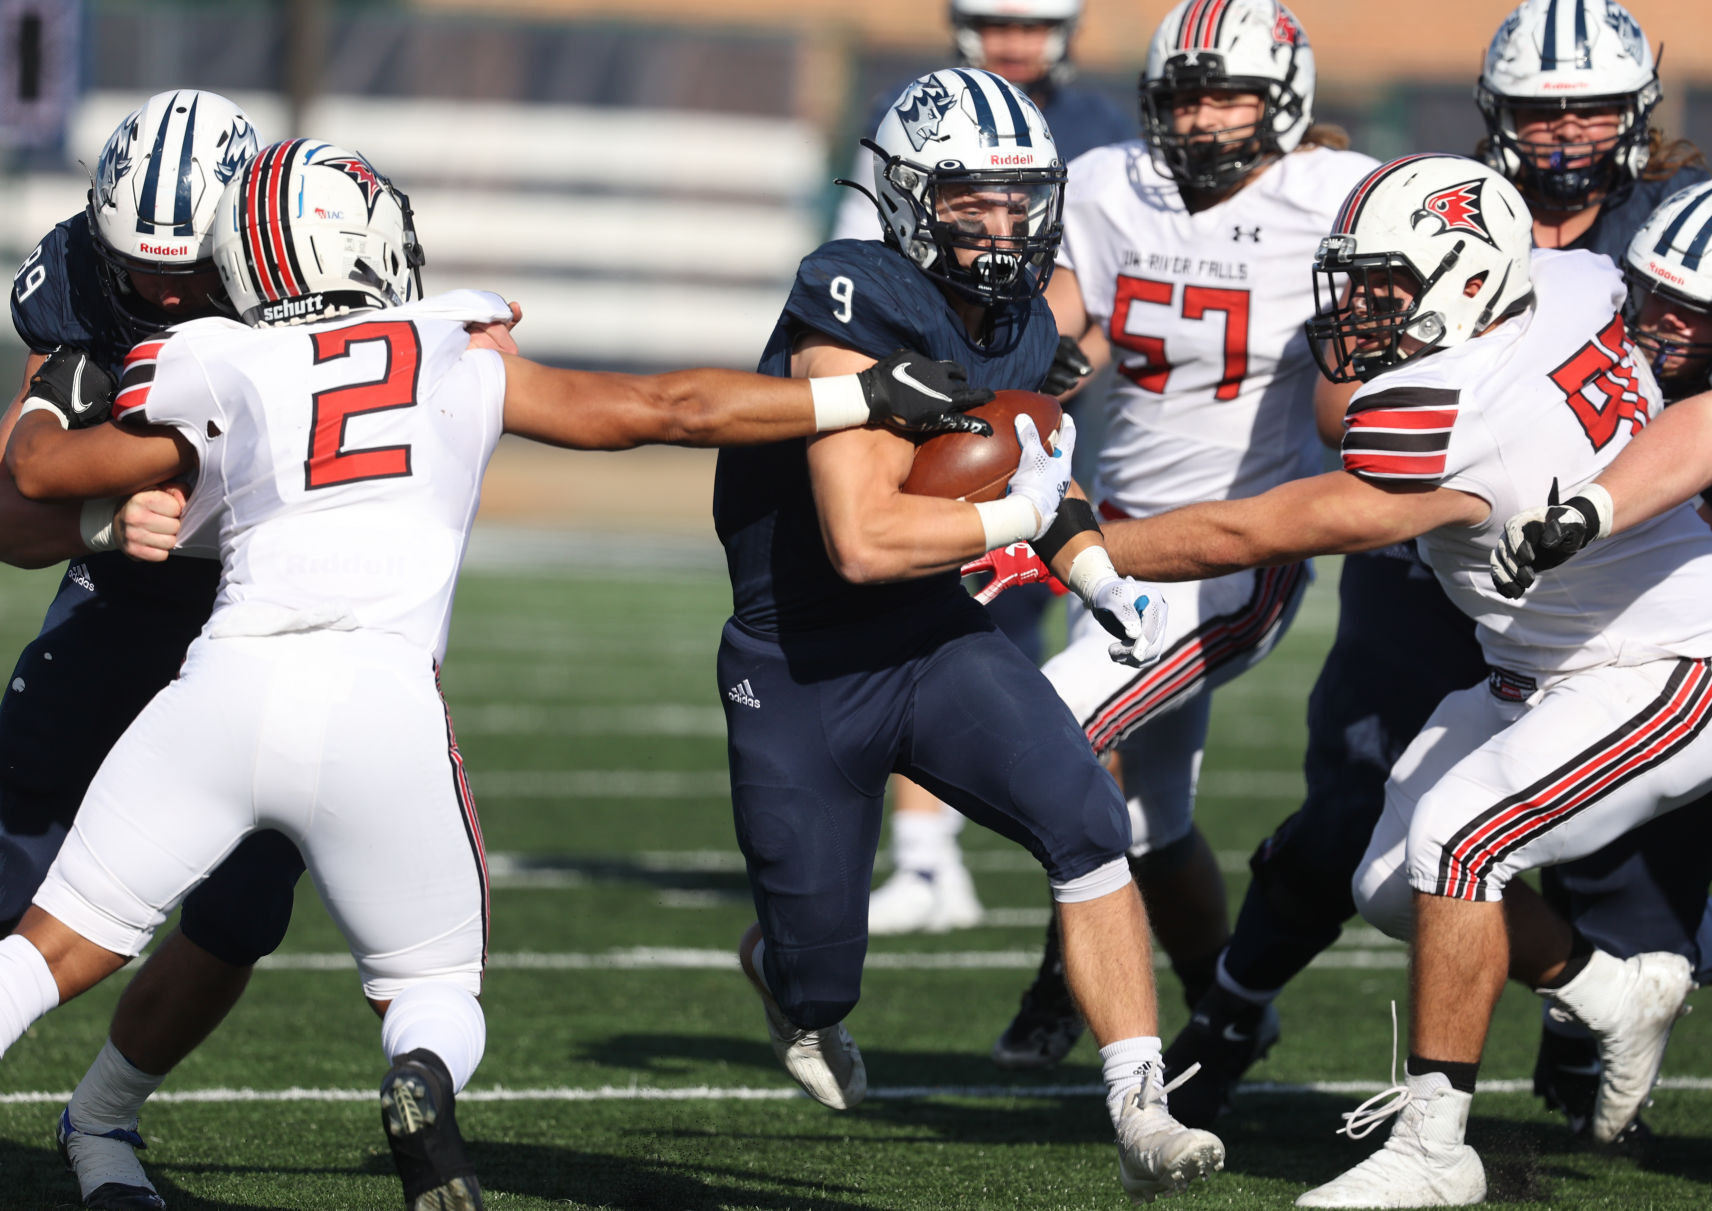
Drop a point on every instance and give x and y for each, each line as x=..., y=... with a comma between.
x=1043, y=476
x=1133, y=616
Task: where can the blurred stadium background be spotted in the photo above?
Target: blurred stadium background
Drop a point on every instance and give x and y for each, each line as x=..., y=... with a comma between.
x=643, y=175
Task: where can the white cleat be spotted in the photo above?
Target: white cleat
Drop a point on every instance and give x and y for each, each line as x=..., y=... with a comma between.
x=1157, y=1155
x=824, y=1062
x=1630, y=1006
x=109, y=1176
x=924, y=901
x=1423, y=1164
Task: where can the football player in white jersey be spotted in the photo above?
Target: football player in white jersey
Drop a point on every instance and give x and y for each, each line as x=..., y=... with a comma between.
x=1487, y=370
x=336, y=439
x=1184, y=260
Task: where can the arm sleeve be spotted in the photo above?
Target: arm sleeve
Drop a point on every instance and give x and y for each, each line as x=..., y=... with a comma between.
x=1400, y=434
x=163, y=383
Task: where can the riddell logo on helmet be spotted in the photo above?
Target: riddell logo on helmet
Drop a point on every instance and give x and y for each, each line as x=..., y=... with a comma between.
x=1666, y=273
x=287, y=309
x=164, y=249
x=1014, y=159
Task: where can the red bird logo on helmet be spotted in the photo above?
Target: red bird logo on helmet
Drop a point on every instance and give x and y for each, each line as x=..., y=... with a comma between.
x=367, y=179
x=1457, y=209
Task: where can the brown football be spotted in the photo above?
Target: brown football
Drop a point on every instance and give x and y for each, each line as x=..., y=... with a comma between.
x=965, y=466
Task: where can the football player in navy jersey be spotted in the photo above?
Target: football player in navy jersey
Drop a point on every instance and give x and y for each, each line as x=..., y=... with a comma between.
x=136, y=260
x=853, y=651
x=1028, y=43
x=1566, y=92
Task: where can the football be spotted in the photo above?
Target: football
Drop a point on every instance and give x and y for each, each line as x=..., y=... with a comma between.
x=965, y=466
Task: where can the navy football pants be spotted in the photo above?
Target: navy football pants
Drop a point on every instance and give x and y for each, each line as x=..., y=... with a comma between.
x=818, y=722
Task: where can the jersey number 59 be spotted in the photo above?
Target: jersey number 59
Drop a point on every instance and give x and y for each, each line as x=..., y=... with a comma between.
x=329, y=463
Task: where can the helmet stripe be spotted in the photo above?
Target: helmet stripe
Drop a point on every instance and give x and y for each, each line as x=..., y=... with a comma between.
x=983, y=110
x=1351, y=210
x=1224, y=13
x=1191, y=21
x=1018, y=122
x=256, y=194
x=151, y=179
x=1668, y=236
x=290, y=263
x=1548, y=48
x=182, y=212
x=278, y=186
x=247, y=225
x=1583, y=50
x=1697, y=247
x=1210, y=23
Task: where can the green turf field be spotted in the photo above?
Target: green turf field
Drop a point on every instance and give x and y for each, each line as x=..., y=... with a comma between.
x=627, y=1065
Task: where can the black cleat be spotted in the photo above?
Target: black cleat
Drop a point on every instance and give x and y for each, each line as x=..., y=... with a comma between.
x=1226, y=1037
x=1047, y=1025
x=421, y=1125
x=116, y=1197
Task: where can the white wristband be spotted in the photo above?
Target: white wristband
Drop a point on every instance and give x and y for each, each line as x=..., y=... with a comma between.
x=1603, y=506
x=1007, y=520
x=41, y=405
x=838, y=403
x=96, y=523
x=1091, y=568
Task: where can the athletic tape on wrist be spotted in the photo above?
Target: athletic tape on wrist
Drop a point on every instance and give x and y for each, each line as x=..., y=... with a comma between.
x=1007, y=520
x=33, y=404
x=838, y=402
x=1091, y=568
x=1075, y=516
x=1596, y=507
x=95, y=523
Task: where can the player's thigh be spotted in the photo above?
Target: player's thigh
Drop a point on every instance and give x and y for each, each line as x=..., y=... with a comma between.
x=1463, y=722
x=391, y=838
x=990, y=736
x=1161, y=765
x=1597, y=754
x=810, y=744
x=171, y=800
x=1217, y=629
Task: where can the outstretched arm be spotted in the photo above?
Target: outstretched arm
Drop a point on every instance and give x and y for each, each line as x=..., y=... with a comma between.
x=1326, y=514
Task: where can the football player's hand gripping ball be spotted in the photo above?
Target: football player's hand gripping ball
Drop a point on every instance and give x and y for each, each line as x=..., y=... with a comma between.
x=1011, y=566
x=917, y=396
x=1043, y=476
x=1069, y=367
x=72, y=386
x=1134, y=619
x=1539, y=539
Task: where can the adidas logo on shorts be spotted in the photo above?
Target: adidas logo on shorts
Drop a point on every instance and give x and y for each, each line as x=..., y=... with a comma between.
x=743, y=695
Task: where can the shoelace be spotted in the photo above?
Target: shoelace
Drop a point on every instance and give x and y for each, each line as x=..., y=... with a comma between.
x=1180, y=1080
x=1362, y=1121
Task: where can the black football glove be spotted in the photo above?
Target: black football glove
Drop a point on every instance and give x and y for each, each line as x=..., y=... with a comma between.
x=75, y=386
x=917, y=396
x=1539, y=539
x=1069, y=367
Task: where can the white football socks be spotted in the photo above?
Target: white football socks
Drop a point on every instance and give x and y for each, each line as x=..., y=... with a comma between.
x=1127, y=1065
x=111, y=1094
x=27, y=988
x=926, y=841
x=439, y=1016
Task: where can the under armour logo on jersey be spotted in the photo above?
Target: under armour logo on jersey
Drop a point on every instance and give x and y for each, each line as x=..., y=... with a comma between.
x=1456, y=209
x=743, y=695
x=923, y=108
x=1239, y=233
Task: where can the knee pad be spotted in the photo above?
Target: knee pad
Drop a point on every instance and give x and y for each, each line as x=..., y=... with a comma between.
x=815, y=987
x=1385, y=900
x=240, y=912
x=1087, y=825
x=1303, y=879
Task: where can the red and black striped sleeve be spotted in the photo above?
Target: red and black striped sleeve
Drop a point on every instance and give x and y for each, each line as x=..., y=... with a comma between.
x=1400, y=434
x=136, y=378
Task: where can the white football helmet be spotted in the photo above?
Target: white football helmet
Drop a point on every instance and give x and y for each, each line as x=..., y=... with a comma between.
x=967, y=16
x=951, y=131
x=1568, y=55
x=1250, y=46
x=1670, y=261
x=1407, y=243
x=156, y=188
x=310, y=231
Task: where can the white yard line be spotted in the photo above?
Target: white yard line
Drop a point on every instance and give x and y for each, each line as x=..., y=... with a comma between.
x=709, y=1093
x=713, y=784
x=676, y=958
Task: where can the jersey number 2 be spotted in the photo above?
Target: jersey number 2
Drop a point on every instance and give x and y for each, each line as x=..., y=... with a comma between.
x=1155, y=368
x=1599, y=370
x=329, y=463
